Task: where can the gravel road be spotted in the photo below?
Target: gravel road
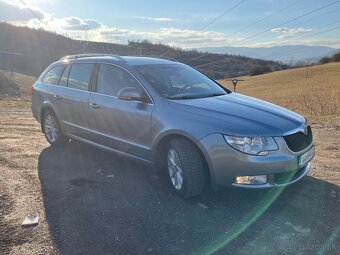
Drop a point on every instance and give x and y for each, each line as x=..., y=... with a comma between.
x=93, y=202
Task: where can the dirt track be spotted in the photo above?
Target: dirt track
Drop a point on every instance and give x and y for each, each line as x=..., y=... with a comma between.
x=93, y=202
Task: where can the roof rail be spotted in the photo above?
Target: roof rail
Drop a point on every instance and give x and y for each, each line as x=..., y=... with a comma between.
x=160, y=57
x=88, y=55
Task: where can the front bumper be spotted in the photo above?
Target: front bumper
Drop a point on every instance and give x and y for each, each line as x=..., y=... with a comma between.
x=225, y=164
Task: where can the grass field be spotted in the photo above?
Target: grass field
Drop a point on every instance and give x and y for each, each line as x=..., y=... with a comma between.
x=315, y=96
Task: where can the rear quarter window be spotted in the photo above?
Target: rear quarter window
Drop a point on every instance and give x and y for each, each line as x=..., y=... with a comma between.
x=52, y=76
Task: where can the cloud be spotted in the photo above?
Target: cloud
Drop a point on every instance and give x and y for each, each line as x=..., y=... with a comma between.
x=186, y=38
x=158, y=19
x=290, y=32
x=75, y=23
x=11, y=12
x=172, y=36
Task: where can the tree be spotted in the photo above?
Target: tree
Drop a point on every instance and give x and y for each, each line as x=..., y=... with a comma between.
x=336, y=57
x=325, y=60
x=257, y=70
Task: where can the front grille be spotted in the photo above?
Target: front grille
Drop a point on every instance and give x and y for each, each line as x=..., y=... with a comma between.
x=299, y=141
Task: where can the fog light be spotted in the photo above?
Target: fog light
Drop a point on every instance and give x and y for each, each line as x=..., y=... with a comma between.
x=251, y=179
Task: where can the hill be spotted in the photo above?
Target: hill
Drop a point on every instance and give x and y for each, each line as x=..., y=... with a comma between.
x=36, y=49
x=317, y=95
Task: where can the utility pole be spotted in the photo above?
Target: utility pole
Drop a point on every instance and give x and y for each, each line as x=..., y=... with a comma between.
x=307, y=71
x=234, y=82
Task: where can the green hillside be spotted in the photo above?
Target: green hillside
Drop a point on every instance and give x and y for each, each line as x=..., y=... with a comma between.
x=36, y=49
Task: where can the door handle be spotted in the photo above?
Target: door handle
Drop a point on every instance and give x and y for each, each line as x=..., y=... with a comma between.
x=57, y=97
x=94, y=105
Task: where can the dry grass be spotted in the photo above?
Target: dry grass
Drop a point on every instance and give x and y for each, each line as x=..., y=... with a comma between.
x=23, y=81
x=15, y=102
x=317, y=95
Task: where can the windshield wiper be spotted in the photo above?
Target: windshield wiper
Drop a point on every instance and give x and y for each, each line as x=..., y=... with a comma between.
x=182, y=97
x=197, y=96
x=214, y=95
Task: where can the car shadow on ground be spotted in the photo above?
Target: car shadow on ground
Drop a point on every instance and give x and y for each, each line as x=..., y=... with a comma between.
x=99, y=203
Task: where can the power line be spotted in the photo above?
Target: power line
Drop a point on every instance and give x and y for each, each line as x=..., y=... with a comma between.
x=318, y=16
x=222, y=15
x=212, y=22
x=252, y=24
x=266, y=17
x=288, y=21
x=313, y=35
x=32, y=12
x=304, y=35
x=284, y=23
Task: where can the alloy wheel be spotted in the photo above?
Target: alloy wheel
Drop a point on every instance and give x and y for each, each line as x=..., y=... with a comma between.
x=51, y=128
x=175, y=169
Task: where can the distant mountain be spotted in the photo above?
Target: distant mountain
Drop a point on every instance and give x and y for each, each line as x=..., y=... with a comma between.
x=30, y=51
x=284, y=54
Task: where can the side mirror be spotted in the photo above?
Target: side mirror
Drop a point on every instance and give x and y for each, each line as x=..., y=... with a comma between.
x=131, y=93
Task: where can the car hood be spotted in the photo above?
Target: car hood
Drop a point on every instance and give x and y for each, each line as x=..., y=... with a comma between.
x=236, y=114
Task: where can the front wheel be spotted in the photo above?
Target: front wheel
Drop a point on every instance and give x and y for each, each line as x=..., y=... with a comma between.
x=185, y=168
x=52, y=129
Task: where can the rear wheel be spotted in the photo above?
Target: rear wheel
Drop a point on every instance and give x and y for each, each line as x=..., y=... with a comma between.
x=185, y=168
x=52, y=129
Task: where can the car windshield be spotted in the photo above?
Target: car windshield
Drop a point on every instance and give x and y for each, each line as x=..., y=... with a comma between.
x=180, y=81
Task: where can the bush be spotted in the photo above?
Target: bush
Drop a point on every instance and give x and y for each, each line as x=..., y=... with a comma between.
x=257, y=70
x=325, y=60
x=8, y=87
x=336, y=57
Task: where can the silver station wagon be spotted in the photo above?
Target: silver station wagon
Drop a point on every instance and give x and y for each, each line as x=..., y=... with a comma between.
x=173, y=117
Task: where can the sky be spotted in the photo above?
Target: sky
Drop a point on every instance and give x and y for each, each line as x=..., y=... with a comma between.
x=184, y=23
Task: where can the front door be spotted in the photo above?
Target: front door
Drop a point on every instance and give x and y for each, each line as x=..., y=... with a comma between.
x=122, y=125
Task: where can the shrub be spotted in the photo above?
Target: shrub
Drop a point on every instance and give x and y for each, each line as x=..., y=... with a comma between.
x=336, y=57
x=257, y=70
x=325, y=60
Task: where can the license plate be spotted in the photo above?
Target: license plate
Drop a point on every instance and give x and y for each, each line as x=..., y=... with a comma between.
x=306, y=157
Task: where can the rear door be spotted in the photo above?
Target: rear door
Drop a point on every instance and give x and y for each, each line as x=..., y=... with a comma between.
x=119, y=124
x=47, y=87
x=72, y=95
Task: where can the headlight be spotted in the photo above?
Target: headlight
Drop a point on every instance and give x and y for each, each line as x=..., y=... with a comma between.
x=252, y=145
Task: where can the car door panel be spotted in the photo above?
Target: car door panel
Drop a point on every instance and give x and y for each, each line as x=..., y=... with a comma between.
x=121, y=125
x=73, y=101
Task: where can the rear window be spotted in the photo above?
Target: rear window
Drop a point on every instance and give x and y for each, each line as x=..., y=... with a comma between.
x=52, y=76
x=80, y=75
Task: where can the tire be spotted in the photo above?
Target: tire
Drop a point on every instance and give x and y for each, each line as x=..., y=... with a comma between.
x=191, y=165
x=52, y=130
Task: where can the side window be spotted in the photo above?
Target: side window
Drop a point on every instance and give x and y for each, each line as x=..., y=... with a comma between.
x=80, y=75
x=111, y=79
x=64, y=77
x=52, y=76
